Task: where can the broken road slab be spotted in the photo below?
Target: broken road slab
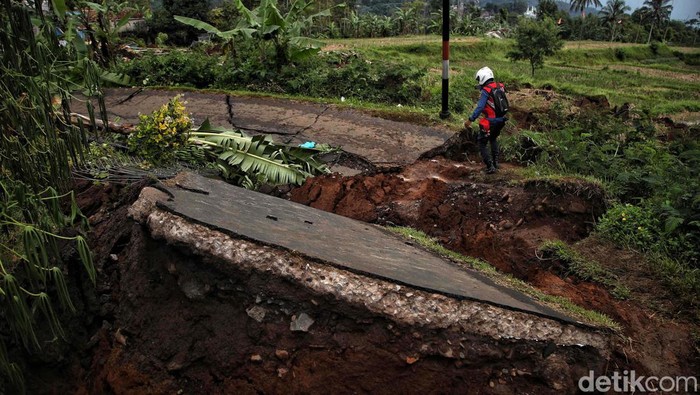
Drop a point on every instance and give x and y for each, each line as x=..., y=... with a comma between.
x=332, y=239
x=381, y=141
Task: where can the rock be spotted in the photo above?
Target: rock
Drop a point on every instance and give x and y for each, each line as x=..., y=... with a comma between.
x=193, y=288
x=505, y=224
x=556, y=372
x=256, y=358
x=577, y=207
x=257, y=313
x=411, y=360
x=282, y=354
x=121, y=339
x=301, y=323
x=113, y=257
x=177, y=362
x=281, y=372
x=446, y=352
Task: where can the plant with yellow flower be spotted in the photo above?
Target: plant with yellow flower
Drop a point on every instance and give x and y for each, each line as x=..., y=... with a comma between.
x=159, y=135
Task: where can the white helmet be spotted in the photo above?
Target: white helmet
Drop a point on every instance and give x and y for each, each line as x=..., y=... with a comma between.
x=484, y=74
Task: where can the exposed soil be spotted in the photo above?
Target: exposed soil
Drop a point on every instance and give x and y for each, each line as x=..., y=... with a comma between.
x=504, y=221
x=143, y=330
x=163, y=321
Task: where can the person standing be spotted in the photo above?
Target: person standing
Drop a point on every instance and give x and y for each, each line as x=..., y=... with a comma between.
x=493, y=105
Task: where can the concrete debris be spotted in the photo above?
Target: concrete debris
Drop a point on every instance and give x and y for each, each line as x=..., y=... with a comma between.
x=193, y=288
x=301, y=323
x=257, y=313
x=376, y=295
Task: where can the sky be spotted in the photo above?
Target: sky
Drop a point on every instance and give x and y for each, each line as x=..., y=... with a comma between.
x=682, y=9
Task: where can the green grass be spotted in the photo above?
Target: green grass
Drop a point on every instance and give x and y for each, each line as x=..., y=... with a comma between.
x=582, y=268
x=587, y=316
x=576, y=184
x=576, y=70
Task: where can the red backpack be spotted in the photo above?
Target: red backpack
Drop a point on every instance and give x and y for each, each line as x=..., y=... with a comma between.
x=497, y=92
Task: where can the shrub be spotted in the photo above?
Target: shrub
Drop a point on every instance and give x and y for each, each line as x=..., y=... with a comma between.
x=654, y=47
x=634, y=166
x=176, y=68
x=631, y=226
x=161, y=39
x=620, y=54
x=160, y=134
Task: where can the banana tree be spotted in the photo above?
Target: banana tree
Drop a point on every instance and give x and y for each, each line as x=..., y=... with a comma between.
x=249, y=160
x=228, y=37
x=266, y=24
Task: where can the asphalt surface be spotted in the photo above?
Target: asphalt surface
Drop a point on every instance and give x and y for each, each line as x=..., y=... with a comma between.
x=316, y=234
x=339, y=241
x=381, y=141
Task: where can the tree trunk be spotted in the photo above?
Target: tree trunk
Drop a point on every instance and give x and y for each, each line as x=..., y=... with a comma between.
x=532, y=66
x=651, y=29
x=75, y=119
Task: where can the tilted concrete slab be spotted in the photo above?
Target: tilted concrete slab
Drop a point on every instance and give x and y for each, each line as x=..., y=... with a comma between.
x=342, y=242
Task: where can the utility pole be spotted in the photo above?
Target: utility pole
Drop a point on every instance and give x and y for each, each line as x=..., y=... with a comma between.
x=445, y=113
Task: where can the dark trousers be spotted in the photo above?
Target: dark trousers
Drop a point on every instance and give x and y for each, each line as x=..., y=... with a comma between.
x=483, y=139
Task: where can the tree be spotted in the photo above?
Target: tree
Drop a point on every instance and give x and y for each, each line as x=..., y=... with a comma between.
x=581, y=5
x=163, y=20
x=612, y=13
x=534, y=40
x=659, y=11
x=266, y=24
x=693, y=24
x=547, y=9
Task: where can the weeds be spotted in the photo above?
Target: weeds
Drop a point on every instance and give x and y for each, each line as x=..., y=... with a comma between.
x=589, y=316
x=582, y=268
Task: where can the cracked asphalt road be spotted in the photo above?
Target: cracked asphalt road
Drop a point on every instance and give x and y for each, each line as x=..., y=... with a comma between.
x=381, y=141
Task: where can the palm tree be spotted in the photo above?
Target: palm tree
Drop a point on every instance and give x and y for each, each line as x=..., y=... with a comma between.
x=612, y=12
x=581, y=5
x=659, y=11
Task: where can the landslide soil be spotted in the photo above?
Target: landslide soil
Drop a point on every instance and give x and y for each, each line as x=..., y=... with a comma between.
x=138, y=332
x=161, y=320
x=504, y=221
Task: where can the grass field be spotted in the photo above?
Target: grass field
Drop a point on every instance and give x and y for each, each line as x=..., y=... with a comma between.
x=660, y=83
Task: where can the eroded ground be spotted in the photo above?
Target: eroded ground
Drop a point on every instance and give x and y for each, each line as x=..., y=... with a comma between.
x=165, y=320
